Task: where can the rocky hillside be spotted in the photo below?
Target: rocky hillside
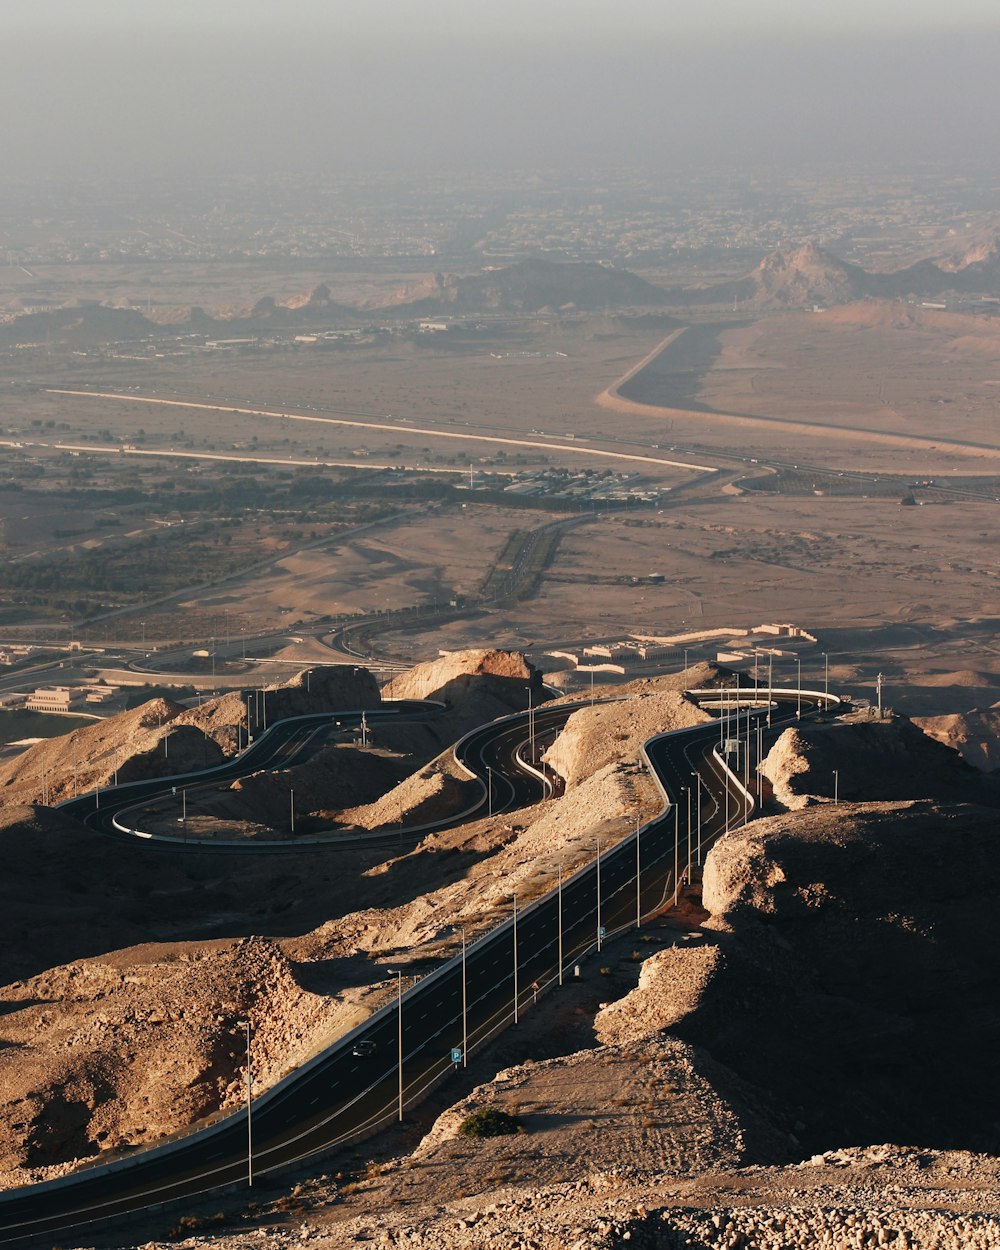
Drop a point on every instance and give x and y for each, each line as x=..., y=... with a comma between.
x=531, y=286
x=161, y=738
x=888, y=759
x=479, y=684
x=975, y=735
x=808, y=274
x=869, y=928
x=162, y=1049
x=699, y=1085
x=596, y=736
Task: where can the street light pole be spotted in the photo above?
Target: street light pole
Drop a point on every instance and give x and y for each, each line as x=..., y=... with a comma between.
x=559, y=908
x=399, y=1034
x=515, y=959
x=638, y=878
x=697, y=777
x=798, y=687
x=826, y=680
x=291, y=805
x=599, y=938
x=489, y=790
x=465, y=1009
x=245, y=1024
x=836, y=787
x=677, y=849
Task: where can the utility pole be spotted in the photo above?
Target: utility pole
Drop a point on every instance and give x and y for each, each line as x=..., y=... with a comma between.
x=697, y=782
x=515, y=959
x=489, y=790
x=399, y=1035
x=245, y=1024
x=638, y=878
x=836, y=787
x=878, y=687
x=798, y=688
x=677, y=848
x=600, y=938
x=559, y=908
x=465, y=1009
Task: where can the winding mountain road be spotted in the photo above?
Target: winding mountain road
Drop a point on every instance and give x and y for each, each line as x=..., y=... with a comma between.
x=418, y=1039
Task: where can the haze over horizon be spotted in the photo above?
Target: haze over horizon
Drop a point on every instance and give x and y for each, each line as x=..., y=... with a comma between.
x=195, y=90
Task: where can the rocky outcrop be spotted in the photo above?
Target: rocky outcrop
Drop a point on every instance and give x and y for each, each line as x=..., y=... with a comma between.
x=135, y=1045
x=670, y=988
x=595, y=736
x=857, y=971
x=872, y=760
x=500, y=676
x=975, y=735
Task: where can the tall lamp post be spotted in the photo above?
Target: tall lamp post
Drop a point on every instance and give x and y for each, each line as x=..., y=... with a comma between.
x=515, y=959
x=697, y=782
x=399, y=1035
x=560, y=914
x=600, y=936
x=638, y=877
x=465, y=1009
x=245, y=1024
x=677, y=847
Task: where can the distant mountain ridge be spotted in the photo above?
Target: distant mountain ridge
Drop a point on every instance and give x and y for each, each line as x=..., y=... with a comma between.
x=803, y=275
x=808, y=274
x=530, y=286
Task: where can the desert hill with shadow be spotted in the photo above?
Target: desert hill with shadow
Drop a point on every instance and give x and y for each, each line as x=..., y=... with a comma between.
x=727, y=1075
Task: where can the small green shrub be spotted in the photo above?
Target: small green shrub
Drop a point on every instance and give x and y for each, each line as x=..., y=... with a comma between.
x=490, y=1122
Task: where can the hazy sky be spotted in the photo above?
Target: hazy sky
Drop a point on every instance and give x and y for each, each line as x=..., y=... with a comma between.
x=202, y=86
